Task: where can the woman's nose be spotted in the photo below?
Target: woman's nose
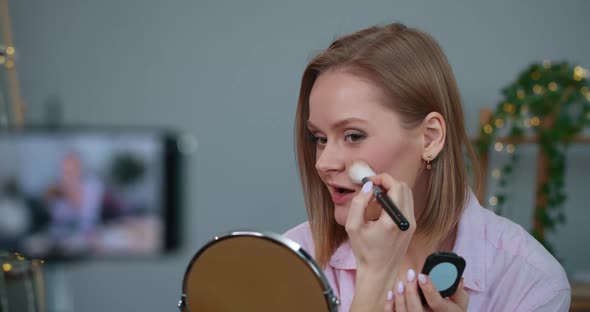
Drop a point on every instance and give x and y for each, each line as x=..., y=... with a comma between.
x=330, y=159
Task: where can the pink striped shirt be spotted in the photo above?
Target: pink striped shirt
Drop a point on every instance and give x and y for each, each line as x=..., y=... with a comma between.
x=507, y=269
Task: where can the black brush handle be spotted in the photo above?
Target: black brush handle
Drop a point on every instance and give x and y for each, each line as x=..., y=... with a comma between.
x=391, y=209
x=389, y=206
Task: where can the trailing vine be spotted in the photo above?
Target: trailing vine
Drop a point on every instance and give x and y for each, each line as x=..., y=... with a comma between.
x=550, y=103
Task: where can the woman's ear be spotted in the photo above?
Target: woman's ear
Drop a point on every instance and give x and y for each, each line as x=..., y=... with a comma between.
x=434, y=131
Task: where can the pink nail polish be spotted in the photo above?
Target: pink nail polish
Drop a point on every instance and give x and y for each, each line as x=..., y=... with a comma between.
x=400, y=288
x=367, y=187
x=422, y=278
x=411, y=275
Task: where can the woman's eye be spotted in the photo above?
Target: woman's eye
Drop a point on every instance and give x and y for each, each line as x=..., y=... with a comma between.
x=320, y=140
x=354, y=137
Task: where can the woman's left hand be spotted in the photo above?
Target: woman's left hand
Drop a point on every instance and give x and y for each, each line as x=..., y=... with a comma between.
x=407, y=298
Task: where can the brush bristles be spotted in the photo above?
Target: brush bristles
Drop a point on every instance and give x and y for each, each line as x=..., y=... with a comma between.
x=360, y=170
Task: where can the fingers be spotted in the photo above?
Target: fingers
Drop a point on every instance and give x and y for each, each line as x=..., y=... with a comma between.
x=389, y=184
x=397, y=190
x=389, y=302
x=433, y=297
x=356, y=213
x=400, y=193
x=460, y=297
x=413, y=301
x=400, y=298
x=383, y=179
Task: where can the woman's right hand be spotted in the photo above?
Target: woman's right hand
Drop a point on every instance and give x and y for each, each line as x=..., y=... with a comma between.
x=379, y=246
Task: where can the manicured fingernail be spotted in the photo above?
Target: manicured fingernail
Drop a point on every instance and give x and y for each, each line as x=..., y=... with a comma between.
x=389, y=295
x=411, y=275
x=367, y=187
x=422, y=279
x=400, y=288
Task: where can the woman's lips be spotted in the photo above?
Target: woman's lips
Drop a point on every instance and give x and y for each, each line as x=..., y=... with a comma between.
x=341, y=198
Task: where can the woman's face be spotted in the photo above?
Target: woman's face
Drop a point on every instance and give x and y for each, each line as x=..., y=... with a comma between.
x=349, y=122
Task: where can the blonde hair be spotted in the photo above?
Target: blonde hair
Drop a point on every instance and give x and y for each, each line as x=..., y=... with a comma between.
x=410, y=67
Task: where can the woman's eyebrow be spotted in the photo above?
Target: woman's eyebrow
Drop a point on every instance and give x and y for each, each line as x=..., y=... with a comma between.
x=340, y=124
x=311, y=126
x=345, y=122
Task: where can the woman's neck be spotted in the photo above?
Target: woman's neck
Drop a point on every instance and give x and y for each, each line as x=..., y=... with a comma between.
x=420, y=248
x=422, y=245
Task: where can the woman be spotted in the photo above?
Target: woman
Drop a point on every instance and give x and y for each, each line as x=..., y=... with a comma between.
x=387, y=96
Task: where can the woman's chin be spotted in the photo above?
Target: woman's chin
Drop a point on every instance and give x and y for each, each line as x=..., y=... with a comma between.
x=341, y=214
x=372, y=213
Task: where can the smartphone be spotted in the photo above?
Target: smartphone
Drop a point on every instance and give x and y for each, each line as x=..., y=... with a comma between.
x=445, y=270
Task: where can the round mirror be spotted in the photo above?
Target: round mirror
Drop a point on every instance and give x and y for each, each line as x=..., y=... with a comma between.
x=252, y=271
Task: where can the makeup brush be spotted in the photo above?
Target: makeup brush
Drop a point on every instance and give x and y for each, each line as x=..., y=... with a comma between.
x=359, y=173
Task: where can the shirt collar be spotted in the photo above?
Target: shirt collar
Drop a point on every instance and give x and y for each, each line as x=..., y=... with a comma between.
x=468, y=244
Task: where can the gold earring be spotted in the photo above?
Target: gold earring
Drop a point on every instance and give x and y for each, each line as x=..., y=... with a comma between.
x=428, y=165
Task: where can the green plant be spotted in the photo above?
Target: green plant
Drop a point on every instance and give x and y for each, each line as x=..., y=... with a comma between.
x=549, y=103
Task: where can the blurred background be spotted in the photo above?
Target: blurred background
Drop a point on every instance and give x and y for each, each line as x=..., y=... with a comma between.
x=225, y=76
